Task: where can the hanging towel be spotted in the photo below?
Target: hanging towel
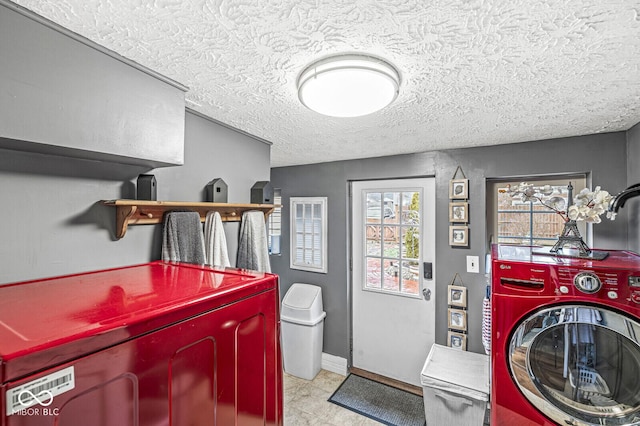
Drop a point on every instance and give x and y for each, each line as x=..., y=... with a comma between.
x=215, y=242
x=182, y=239
x=486, y=322
x=253, y=250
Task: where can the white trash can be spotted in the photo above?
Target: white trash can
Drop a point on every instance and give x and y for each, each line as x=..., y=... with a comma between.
x=302, y=320
x=455, y=386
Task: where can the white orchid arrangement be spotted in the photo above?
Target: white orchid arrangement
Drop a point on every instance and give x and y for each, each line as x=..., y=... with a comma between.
x=587, y=205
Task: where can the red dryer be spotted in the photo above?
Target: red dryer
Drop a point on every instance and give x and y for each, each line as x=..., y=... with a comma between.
x=565, y=338
x=155, y=344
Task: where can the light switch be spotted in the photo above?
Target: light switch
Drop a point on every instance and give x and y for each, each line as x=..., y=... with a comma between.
x=473, y=264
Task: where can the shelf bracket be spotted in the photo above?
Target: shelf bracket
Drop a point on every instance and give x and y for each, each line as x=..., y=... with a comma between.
x=123, y=215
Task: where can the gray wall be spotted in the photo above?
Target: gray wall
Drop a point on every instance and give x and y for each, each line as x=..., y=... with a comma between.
x=60, y=92
x=331, y=180
x=632, y=206
x=603, y=156
x=52, y=221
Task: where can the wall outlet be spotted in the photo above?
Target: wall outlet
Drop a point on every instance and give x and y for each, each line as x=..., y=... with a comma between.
x=473, y=264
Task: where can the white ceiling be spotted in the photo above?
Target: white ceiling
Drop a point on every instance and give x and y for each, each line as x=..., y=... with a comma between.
x=474, y=72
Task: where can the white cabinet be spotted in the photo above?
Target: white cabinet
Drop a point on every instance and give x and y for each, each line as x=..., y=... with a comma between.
x=62, y=94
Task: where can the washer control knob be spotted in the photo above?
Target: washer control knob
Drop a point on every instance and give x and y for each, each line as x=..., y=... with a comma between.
x=612, y=294
x=564, y=289
x=587, y=282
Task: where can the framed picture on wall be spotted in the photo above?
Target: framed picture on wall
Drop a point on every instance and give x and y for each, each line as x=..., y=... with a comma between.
x=457, y=340
x=459, y=235
x=457, y=319
x=459, y=189
x=457, y=296
x=459, y=212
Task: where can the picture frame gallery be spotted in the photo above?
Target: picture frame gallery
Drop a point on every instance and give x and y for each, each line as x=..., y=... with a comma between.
x=457, y=296
x=459, y=189
x=457, y=314
x=457, y=319
x=459, y=235
x=459, y=210
x=457, y=340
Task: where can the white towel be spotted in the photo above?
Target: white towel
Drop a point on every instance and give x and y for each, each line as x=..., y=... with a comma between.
x=253, y=250
x=182, y=239
x=486, y=325
x=215, y=241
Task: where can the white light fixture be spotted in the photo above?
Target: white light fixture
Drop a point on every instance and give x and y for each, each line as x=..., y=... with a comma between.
x=348, y=85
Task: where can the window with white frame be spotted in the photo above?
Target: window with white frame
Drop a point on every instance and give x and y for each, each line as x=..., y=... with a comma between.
x=309, y=233
x=528, y=222
x=274, y=223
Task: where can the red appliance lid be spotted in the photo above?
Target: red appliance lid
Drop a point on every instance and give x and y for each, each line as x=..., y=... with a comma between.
x=616, y=259
x=58, y=319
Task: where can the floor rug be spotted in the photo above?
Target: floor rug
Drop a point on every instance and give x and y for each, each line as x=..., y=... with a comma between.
x=380, y=402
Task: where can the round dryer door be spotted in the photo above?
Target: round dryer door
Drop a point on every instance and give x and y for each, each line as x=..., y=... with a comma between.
x=579, y=365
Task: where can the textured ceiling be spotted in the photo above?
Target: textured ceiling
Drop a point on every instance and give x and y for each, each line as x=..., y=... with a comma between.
x=474, y=72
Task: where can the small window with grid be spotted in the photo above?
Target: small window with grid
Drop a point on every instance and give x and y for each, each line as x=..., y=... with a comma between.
x=274, y=223
x=530, y=222
x=308, y=234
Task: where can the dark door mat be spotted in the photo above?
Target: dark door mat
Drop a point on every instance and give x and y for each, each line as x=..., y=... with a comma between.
x=380, y=402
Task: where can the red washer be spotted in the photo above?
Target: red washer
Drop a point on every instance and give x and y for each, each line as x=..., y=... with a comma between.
x=565, y=346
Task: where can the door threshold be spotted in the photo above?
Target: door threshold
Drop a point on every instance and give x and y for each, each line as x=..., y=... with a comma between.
x=416, y=390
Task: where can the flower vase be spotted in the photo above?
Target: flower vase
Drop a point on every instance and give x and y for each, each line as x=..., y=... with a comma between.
x=571, y=236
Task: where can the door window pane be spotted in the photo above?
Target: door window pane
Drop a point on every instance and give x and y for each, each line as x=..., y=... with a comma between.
x=411, y=242
x=373, y=241
x=410, y=277
x=374, y=278
x=391, y=275
x=411, y=208
x=373, y=205
x=392, y=241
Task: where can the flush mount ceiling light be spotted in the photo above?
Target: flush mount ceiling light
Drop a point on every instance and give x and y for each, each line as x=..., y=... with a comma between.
x=348, y=85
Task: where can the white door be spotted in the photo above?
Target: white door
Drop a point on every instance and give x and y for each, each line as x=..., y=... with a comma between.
x=393, y=246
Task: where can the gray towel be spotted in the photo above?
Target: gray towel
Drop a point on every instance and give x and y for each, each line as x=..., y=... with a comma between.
x=215, y=241
x=182, y=239
x=253, y=250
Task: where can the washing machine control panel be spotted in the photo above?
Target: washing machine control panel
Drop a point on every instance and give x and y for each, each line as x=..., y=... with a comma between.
x=602, y=283
x=587, y=282
x=634, y=282
x=577, y=281
x=526, y=271
x=567, y=280
x=634, y=288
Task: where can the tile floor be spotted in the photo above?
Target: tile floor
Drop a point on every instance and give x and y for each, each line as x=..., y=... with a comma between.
x=306, y=403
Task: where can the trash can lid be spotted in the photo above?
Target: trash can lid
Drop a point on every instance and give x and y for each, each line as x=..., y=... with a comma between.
x=461, y=372
x=303, y=302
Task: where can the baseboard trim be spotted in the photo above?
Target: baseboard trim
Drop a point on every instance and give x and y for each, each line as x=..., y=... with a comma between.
x=334, y=364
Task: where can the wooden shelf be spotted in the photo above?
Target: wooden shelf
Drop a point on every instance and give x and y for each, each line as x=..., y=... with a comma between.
x=143, y=212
